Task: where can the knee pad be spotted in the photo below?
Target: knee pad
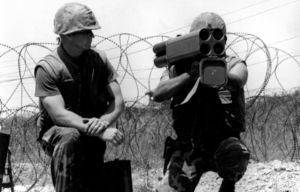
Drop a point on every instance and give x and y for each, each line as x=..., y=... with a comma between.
x=231, y=158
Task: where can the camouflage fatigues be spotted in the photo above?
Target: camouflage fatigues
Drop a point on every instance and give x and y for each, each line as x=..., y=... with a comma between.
x=229, y=160
x=77, y=165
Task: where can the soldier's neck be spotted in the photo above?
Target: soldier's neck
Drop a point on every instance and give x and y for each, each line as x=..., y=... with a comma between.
x=72, y=51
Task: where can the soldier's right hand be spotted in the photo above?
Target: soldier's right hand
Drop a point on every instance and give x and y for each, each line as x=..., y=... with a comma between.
x=112, y=135
x=94, y=126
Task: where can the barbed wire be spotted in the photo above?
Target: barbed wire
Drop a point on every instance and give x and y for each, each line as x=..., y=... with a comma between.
x=272, y=114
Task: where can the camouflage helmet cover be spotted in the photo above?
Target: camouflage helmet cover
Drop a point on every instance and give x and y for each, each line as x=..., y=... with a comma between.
x=73, y=17
x=208, y=20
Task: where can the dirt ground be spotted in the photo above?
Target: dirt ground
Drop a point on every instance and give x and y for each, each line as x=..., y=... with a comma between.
x=275, y=176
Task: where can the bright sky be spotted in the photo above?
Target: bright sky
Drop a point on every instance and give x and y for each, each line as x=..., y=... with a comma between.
x=276, y=22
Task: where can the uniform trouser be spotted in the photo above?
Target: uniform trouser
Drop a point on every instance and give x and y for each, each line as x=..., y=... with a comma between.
x=77, y=160
x=185, y=170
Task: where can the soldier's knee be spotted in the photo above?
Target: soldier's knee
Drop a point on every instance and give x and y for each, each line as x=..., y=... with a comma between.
x=70, y=134
x=69, y=138
x=232, y=159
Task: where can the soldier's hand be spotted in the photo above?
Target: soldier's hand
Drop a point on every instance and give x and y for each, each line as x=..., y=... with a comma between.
x=112, y=135
x=95, y=126
x=194, y=72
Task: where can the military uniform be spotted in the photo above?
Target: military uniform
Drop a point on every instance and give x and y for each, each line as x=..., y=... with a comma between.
x=77, y=159
x=208, y=122
x=208, y=130
x=82, y=85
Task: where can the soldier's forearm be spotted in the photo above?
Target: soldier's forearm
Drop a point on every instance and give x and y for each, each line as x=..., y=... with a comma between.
x=167, y=89
x=67, y=118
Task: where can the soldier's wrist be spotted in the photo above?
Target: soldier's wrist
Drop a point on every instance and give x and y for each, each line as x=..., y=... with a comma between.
x=105, y=122
x=100, y=134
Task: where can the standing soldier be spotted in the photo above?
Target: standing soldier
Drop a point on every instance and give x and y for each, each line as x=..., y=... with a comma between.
x=80, y=99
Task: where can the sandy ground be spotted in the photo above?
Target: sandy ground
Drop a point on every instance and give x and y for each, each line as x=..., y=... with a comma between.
x=275, y=176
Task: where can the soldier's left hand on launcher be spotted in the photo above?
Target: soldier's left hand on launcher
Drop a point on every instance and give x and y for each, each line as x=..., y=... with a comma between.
x=194, y=71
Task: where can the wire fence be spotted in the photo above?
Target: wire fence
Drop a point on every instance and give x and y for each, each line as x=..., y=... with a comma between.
x=272, y=114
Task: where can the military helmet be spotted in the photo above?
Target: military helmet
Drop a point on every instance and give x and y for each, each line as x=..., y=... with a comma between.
x=74, y=17
x=231, y=159
x=208, y=20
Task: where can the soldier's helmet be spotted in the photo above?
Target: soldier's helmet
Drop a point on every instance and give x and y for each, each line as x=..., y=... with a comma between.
x=208, y=20
x=74, y=17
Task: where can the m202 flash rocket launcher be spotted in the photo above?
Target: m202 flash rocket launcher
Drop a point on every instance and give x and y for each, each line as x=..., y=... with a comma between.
x=206, y=46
